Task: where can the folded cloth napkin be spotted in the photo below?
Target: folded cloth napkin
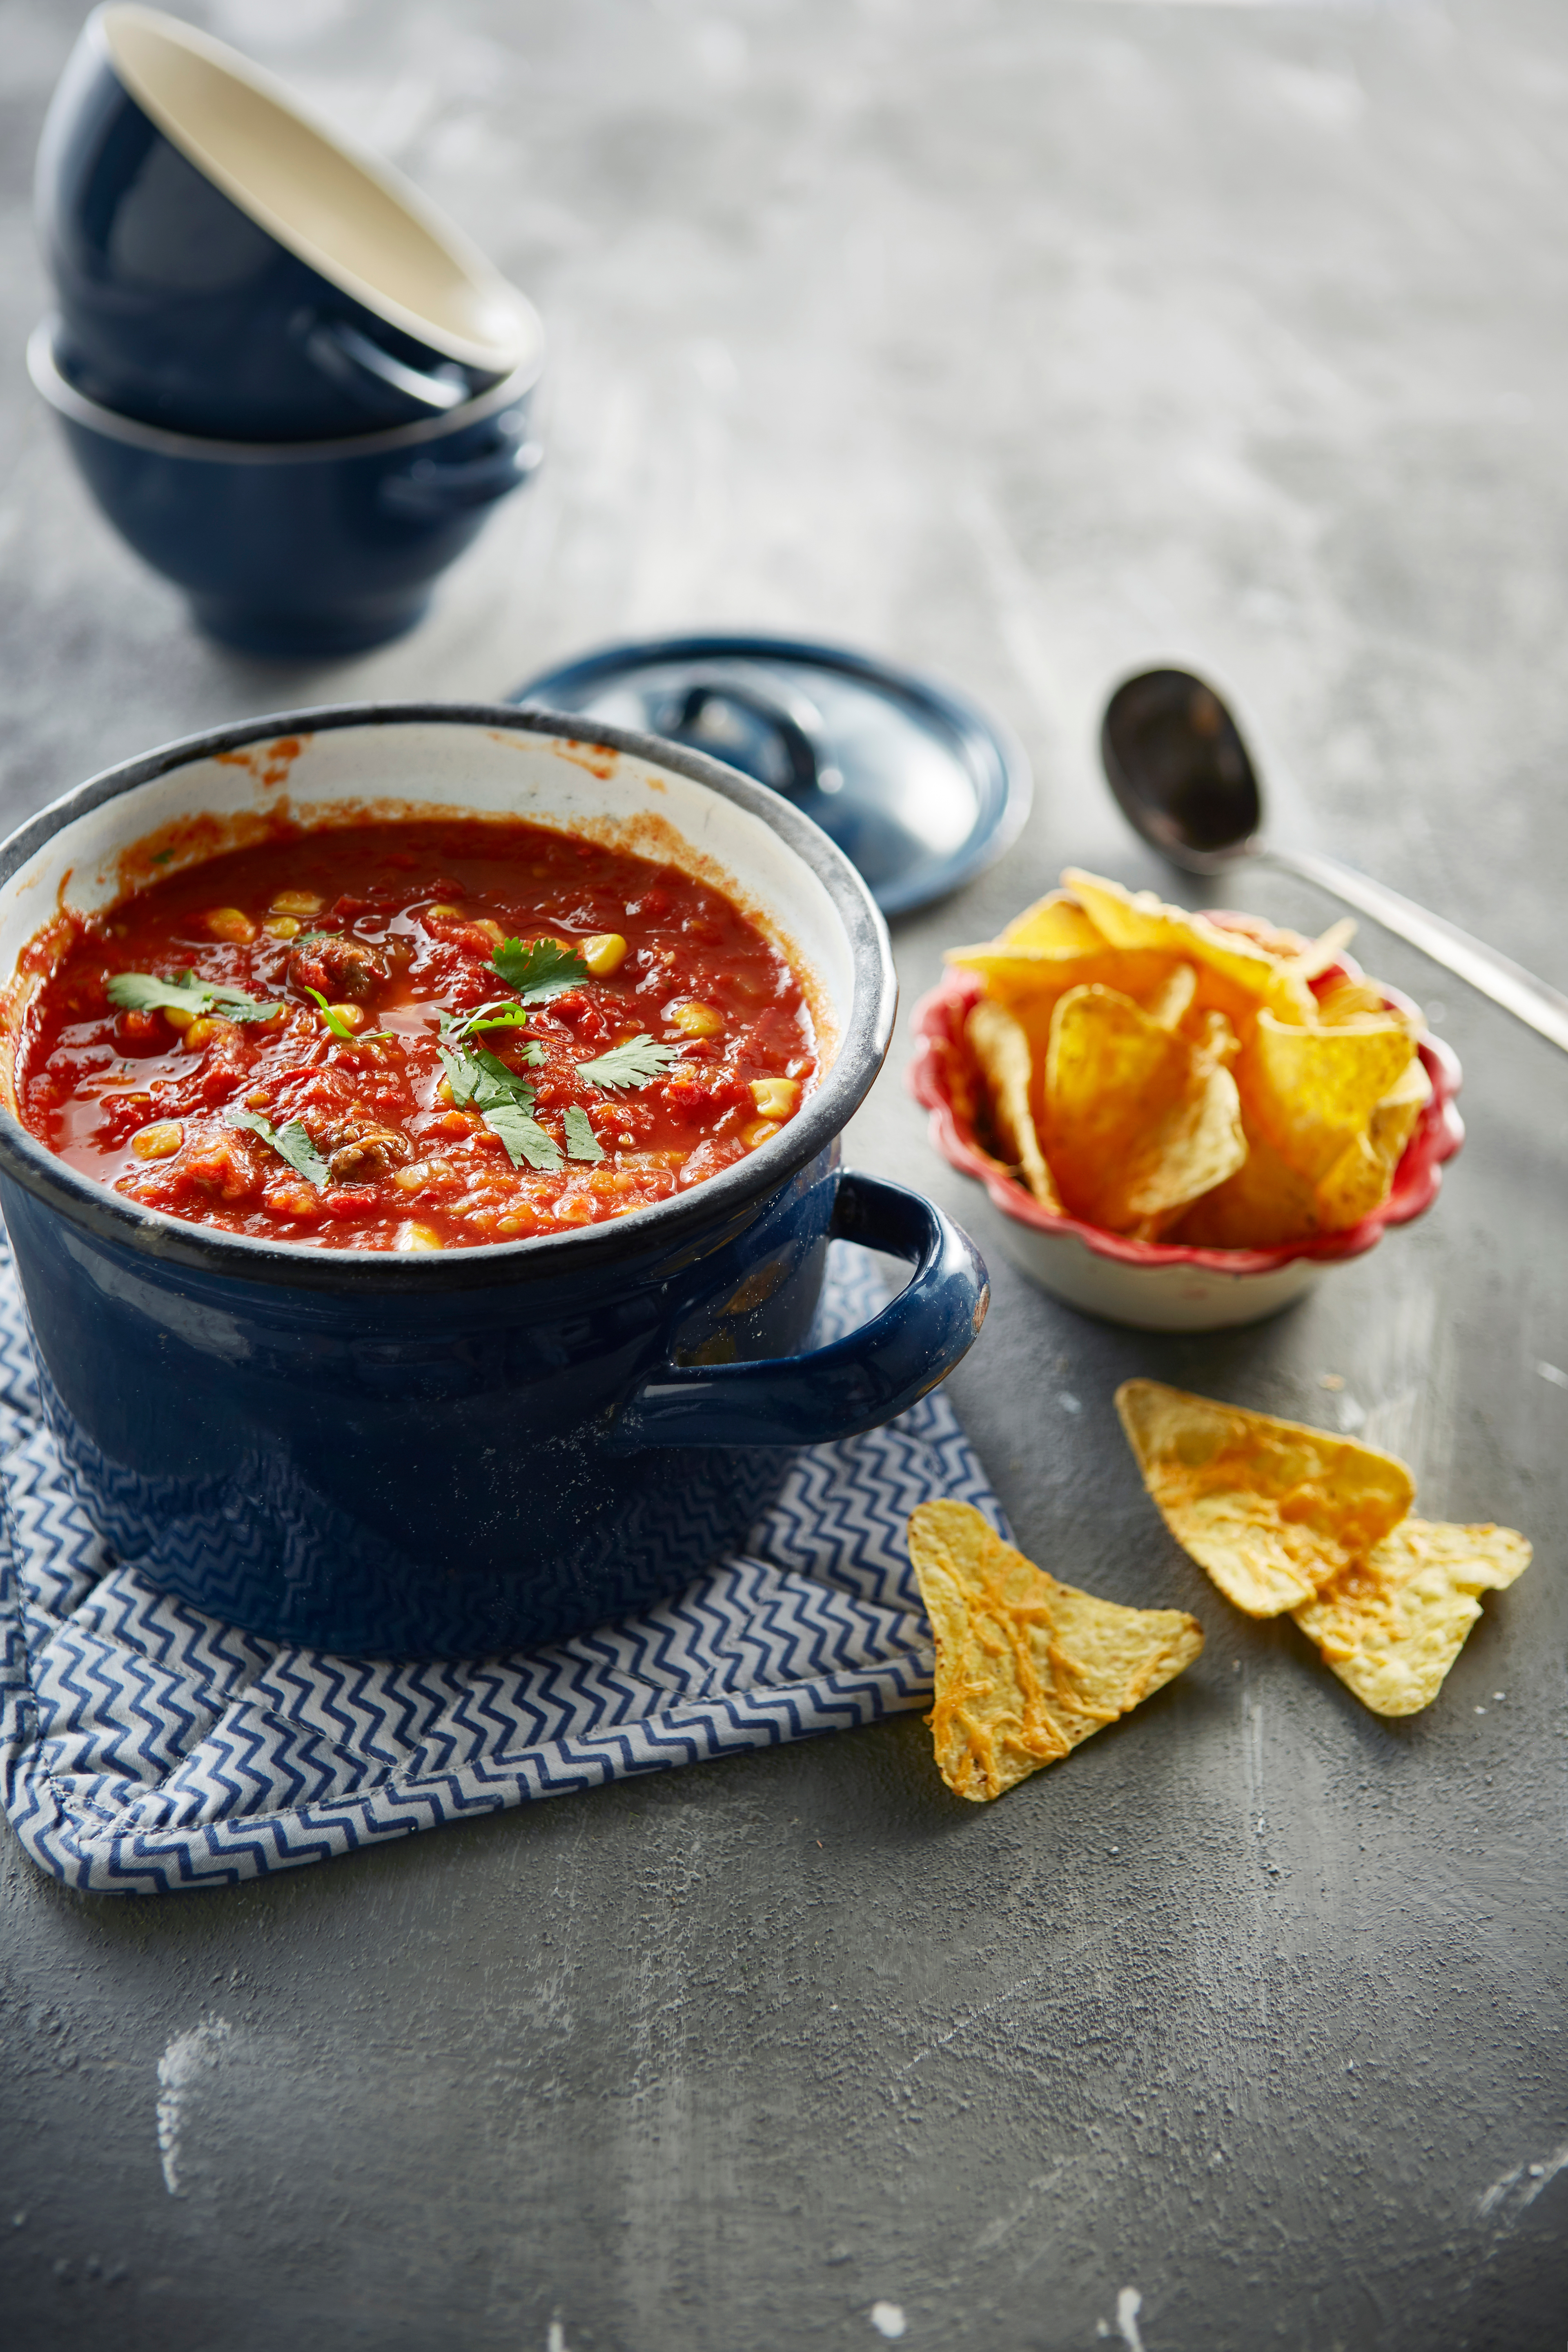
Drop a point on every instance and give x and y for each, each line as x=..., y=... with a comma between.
x=147, y=1748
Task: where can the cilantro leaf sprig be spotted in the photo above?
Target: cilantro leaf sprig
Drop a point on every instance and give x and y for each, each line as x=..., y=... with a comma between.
x=581, y=1144
x=523, y=1135
x=144, y=992
x=291, y=1143
x=637, y=1063
x=504, y=1100
x=537, y=969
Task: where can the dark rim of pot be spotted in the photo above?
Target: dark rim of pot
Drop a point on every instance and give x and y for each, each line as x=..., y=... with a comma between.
x=721, y=1202
x=110, y=424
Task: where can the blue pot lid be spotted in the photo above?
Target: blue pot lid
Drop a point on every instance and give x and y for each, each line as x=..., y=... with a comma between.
x=918, y=787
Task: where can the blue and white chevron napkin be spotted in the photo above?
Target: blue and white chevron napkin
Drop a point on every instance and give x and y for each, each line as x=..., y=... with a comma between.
x=147, y=1748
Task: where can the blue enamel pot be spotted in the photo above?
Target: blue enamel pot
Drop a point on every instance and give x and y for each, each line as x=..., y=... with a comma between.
x=463, y=1452
x=300, y=548
x=226, y=265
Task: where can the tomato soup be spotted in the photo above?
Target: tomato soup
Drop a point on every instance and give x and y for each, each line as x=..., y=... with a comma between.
x=421, y=1035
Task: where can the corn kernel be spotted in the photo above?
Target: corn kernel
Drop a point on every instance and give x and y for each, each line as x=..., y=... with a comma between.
x=507, y=1227
x=353, y=1016
x=694, y=1019
x=603, y=953
x=759, y=1132
x=296, y=902
x=157, y=1141
x=257, y=1101
x=282, y=926
x=491, y=929
x=443, y=914
x=229, y=923
x=410, y=1179
x=291, y=1201
x=200, y=1032
x=443, y=1093
x=178, y=1016
x=418, y=1237
x=776, y=1098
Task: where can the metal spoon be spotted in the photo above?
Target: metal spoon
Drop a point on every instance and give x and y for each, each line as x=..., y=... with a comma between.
x=1184, y=779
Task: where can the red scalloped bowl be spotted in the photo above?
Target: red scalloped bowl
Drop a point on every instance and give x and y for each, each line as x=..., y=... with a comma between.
x=1162, y=1285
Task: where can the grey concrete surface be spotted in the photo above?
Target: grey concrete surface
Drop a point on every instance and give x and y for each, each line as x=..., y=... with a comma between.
x=1030, y=340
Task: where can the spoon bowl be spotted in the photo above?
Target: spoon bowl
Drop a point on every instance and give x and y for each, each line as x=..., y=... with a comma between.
x=1181, y=774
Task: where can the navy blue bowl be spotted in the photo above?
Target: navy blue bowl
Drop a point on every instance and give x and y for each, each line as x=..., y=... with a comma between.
x=300, y=548
x=463, y=1451
x=227, y=267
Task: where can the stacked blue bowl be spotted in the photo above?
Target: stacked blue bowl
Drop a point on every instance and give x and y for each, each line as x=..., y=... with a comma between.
x=291, y=385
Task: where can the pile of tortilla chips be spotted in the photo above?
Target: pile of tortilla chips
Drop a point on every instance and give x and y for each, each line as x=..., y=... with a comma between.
x=1026, y=1667
x=1285, y=1516
x=1161, y=1076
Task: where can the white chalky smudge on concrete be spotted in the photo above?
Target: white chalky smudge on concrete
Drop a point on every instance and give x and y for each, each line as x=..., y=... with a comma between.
x=1540, y=2175
x=188, y=2056
x=888, y=2319
x=1129, y=2303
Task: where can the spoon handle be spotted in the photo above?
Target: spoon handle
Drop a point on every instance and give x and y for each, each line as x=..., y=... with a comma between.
x=1507, y=984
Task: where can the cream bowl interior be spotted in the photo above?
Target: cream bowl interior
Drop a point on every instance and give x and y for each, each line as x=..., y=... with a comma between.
x=352, y=219
x=381, y=771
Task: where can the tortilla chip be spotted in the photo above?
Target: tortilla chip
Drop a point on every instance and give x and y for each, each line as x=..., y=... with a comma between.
x=1029, y=980
x=1026, y=1667
x=1108, y=1068
x=1241, y=974
x=1326, y=949
x=1194, y=1148
x=1349, y=998
x=1392, y=1625
x=1313, y=1091
x=1271, y=1509
x=1173, y=998
x=1138, y=1121
x=1058, y=923
x=1002, y=1051
x=1393, y=1120
x=1263, y=1205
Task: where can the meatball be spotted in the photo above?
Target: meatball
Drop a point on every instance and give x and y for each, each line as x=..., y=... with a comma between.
x=372, y=1152
x=341, y=969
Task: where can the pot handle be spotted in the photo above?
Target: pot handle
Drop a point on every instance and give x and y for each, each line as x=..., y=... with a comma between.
x=429, y=488
x=795, y=722
x=856, y=1384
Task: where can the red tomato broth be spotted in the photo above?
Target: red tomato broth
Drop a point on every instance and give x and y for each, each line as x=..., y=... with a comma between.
x=409, y=1167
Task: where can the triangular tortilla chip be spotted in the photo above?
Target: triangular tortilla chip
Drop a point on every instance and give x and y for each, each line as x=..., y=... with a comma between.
x=1171, y=1000
x=1272, y=1510
x=1262, y=1206
x=1056, y=922
x=1029, y=980
x=1241, y=973
x=1026, y=1667
x=1362, y=1177
x=1001, y=1049
x=1138, y=1121
x=1314, y=1091
x=1318, y=955
x=1392, y=1625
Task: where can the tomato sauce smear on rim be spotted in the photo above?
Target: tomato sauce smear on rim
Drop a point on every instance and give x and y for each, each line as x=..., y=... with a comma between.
x=415, y=1036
